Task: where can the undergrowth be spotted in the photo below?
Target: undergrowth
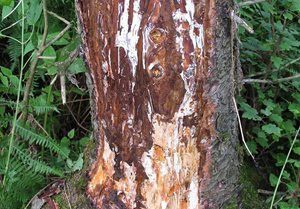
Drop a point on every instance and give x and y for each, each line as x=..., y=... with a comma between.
x=270, y=101
x=44, y=107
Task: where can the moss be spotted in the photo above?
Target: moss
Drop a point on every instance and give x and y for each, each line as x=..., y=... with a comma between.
x=231, y=205
x=250, y=181
x=61, y=201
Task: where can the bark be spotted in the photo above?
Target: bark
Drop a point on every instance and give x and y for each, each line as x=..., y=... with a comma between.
x=162, y=86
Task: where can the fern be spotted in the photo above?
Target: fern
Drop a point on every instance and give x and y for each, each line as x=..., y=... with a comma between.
x=44, y=141
x=22, y=184
x=40, y=106
x=37, y=166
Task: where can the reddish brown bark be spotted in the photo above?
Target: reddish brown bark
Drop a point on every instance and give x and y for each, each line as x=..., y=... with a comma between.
x=157, y=69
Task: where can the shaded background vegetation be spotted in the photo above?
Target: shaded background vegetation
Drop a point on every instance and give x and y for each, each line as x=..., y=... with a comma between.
x=49, y=146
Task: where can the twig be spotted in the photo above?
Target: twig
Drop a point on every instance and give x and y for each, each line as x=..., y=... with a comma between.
x=39, y=192
x=39, y=52
x=241, y=129
x=79, y=124
x=247, y=3
x=266, y=192
x=276, y=70
x=240, y=21
x=67, y=194
x=270, y=81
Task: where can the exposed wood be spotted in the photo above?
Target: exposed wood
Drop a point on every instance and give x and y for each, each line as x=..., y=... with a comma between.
x=161, y=72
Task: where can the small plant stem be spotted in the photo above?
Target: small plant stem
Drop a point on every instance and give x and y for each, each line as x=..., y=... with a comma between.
x=283, y=167
x=46, y=115
x=39, y=52
x=33, y=65
x=11, y=140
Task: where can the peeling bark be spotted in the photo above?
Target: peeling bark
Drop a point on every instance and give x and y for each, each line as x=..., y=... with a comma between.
x=166, y=128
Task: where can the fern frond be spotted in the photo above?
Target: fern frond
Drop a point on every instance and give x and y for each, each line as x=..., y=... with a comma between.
x=44, y=141
x=40, y=106
x=34, y=164
x=13, y=195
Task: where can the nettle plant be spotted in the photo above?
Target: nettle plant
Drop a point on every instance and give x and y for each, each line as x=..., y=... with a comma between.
x=270, y=101
x=38, y=78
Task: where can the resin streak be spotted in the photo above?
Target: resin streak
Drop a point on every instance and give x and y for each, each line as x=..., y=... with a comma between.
x=150, y=61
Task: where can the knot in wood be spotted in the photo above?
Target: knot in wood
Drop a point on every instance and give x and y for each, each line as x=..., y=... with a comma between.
x=156, y=71
x=157, y=35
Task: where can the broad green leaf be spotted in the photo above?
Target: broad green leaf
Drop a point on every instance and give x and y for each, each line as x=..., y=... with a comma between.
x=276, y=118
x=295, y=5
x=50, y=54
x=7, y=9
x=284, y=205
x=78, y=164
x=296, y=96
x=71, y=133
x=35, y=11
x=7, y=72
x=77, y=66
x=252, y=146
x=288, y=16
x=288, y=126
x=5, y=2
x=296, y=150
x=29, y=47
x=272, y=129
x=84, y=141
x=273, y=180
x=53, y=70
x=4, y=80
x=249, y=112
x=262, y=139
x=295, y=162
x=14, y=80
x=65, y=145
x=62, y=41
x=294, y=108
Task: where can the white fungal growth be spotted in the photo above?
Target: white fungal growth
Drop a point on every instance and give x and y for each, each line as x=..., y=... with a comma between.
x=193, y=196
x=126, y=38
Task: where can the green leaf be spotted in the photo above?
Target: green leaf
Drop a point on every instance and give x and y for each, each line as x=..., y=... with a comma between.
x=7, y=9
x=77, y=66
x=65, y=145
x=75, y=165
x=288, y=16
x=7, y=72
x=296, y=96
x=78, y=164
x=273, y=180
x=252, y=146
x=59, y=42
x=4, y=80
x=296, y=150
x=71, y=133
x=5, y=2
x=294, y=108
x=277, y=61
x=284, y=205
x=35, y=11
x=276, y=118
x=288, y=126
x=249, y=112
x=272, y=129
x=262, y=139
x=51, y=54
x=53, y=70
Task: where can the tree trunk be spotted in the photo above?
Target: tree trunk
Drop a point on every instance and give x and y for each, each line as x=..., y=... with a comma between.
x=163, y=85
